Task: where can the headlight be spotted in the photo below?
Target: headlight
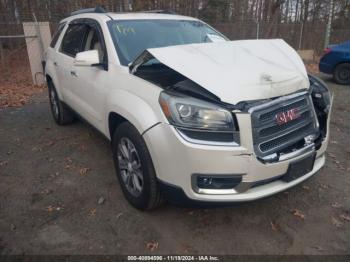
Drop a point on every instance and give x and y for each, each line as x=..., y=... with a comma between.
x=321, y=98
x=198, y=119
x=320, y=94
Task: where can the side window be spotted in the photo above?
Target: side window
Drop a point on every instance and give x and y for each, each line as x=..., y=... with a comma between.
x=57, y=34
x=73, y=39
x=93, y=42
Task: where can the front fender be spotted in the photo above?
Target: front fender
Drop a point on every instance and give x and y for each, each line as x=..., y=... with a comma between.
x=137, y=111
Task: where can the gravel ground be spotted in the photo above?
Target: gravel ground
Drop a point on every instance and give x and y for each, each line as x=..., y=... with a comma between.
x=59, y=195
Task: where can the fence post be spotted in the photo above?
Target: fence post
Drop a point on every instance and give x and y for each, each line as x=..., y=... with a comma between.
x=301, y=35
x=329, y=25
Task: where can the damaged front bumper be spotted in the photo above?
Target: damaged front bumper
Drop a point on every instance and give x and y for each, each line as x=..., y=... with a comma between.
x=177, y=160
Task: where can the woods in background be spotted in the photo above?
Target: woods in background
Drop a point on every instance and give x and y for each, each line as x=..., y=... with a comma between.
x=302, y=23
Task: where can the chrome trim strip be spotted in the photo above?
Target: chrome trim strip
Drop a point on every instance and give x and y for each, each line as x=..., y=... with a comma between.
x=276, y=101
x=204, y=142
x=310, y=148
x=216, y=191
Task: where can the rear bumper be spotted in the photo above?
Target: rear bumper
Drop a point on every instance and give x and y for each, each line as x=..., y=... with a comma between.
x=325, y=67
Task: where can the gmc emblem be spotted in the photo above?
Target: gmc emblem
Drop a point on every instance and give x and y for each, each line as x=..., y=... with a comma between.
x=287, y=116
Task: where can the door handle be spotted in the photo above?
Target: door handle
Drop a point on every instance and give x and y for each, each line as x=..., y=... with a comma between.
x=55, y=64
x=73, y=73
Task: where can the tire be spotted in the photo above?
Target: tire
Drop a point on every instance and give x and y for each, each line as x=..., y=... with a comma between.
x=60, y=112
x=134, y=168
x=341, y=74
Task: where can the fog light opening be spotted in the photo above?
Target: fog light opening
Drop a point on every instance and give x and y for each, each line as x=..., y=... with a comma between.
x=218, y=182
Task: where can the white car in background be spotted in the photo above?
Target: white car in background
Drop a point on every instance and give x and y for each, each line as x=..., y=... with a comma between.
x=191, y=116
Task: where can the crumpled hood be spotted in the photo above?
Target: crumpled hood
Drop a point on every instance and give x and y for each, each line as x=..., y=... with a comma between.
x=238, y=70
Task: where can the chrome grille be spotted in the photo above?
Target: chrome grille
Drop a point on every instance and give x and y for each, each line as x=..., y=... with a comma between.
x=270, y=137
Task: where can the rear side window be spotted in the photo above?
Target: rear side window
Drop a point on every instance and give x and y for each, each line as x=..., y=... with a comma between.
x=73, y=39
x=57, y=34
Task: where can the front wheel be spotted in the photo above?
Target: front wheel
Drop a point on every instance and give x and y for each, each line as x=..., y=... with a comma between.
x=342, y=74
x=135, y=168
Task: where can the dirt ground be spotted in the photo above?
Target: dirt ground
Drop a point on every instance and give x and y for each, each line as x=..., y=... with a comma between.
x=59, y=195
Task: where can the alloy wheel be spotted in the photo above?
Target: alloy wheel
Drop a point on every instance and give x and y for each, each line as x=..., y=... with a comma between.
x=130, y=167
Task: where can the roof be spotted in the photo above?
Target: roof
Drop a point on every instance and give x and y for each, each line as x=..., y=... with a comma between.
x=130, y=16
x=135, y=15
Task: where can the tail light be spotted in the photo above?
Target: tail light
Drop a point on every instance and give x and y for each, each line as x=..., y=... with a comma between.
x=326, y=51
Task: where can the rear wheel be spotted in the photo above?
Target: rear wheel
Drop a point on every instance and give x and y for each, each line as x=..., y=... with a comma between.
x=135, y=169
x=342, y=74
x=60, y=112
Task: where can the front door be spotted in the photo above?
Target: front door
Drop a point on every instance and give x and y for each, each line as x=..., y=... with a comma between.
x=89, y=89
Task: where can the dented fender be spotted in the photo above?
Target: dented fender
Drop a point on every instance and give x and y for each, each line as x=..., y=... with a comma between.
x=128, y=105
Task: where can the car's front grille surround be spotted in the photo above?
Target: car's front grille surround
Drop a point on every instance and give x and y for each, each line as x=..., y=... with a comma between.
x=269, y=137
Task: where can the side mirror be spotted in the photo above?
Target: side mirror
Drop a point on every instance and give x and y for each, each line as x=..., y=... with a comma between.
x=87, y=58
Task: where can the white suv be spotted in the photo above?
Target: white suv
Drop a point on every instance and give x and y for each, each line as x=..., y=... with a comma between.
x=191, y=116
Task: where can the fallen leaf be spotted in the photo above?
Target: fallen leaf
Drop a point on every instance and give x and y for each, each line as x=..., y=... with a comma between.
x=324, y=186
x=101, y=200
x=3, y=163
x=83, y=171
x=331, y=155
x=306, y=187
x=191, y=212
x=92, y=212
x=50, y=209
x=53, y=208
x=274, y=226
x=298, y=213
x=345, y=217
x=336, y=222
x=83, y=148
x=185, y=248
x=68, y=162
x=318, y=248
x=46, y=191
x=153, y=245
x=49, y=143
x=336, y=205
x=341, y=167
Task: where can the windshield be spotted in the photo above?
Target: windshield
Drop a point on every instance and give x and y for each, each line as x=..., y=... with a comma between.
x=132, y=37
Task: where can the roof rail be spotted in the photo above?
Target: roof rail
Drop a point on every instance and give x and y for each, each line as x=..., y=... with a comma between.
x=97, y=9
x=169, y=12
